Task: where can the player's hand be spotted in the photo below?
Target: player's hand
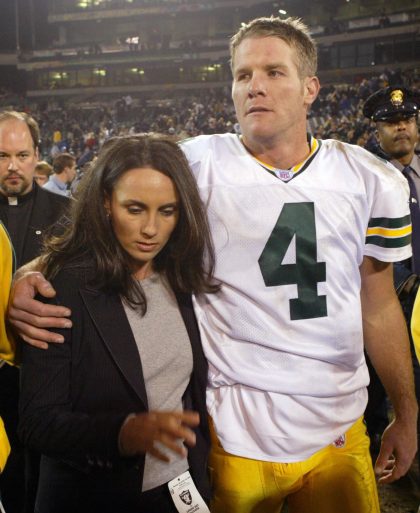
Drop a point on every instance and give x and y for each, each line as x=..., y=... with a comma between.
x=148, y=432
x=398, y=448
x=30, y=317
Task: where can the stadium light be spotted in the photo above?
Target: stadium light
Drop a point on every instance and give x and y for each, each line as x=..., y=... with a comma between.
x=88, y=3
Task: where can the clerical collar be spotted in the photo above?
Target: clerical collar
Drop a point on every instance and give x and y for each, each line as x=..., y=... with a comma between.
x=17, y=200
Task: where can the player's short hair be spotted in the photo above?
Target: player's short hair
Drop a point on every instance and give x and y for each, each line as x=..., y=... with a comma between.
x=291, y=30
x=62, y=161
x=26, y=118
x=43, y=168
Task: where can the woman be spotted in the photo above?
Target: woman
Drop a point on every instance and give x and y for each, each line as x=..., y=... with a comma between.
x=113, y=407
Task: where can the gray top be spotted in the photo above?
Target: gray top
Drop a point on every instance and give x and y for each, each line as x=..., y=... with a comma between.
x=166, y=357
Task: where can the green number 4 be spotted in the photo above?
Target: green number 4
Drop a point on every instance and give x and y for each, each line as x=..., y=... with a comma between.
x=296, y=219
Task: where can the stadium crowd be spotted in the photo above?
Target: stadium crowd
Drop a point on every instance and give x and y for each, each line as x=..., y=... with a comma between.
x=80, y=129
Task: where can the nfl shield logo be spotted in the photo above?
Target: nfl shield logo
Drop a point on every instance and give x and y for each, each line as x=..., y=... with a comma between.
x=186, y=498
x=284, y=175
x=340, y=442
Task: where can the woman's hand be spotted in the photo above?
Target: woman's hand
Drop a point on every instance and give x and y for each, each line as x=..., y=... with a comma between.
x=143, y=433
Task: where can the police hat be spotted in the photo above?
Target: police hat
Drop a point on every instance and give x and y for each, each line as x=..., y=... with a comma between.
x=392, y=101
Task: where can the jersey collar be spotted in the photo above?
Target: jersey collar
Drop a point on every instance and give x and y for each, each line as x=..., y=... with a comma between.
x=285, y=175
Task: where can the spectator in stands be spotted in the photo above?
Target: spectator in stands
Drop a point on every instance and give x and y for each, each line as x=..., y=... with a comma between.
x=64, y=172
x=333, y=26
x=42, y=174
x=384, y=20
x=80, y=174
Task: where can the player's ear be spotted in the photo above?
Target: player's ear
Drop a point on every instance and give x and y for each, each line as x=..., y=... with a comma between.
x=311, y=89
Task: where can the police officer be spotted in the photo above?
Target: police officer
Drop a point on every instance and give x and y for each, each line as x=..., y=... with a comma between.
x=395, y=113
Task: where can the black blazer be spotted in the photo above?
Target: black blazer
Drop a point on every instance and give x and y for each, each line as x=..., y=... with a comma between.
x=75, y=396
x=46, y=210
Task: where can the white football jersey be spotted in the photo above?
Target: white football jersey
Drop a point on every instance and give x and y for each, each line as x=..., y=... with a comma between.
x=284, y=335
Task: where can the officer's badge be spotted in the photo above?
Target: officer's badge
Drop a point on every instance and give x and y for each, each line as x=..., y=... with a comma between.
x=397, y=97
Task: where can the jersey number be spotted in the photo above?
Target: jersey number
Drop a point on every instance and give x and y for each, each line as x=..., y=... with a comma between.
x=296, y=219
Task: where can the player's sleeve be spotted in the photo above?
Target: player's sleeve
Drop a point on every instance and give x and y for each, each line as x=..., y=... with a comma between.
x=191, y=151
x=388, y=234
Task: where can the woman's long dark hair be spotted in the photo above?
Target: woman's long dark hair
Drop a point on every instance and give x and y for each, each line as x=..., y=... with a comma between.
x=89, y=241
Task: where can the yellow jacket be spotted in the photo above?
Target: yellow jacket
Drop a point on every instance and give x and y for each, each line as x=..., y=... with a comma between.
x=7, y=347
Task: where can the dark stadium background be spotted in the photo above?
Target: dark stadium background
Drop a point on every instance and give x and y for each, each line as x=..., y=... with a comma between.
x=357, y=38
x=31, y=14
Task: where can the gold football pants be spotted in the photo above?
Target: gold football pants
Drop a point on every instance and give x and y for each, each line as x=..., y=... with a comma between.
x=336, y=479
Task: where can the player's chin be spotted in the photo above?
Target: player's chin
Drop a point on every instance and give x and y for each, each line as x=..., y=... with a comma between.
x=259, y=131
